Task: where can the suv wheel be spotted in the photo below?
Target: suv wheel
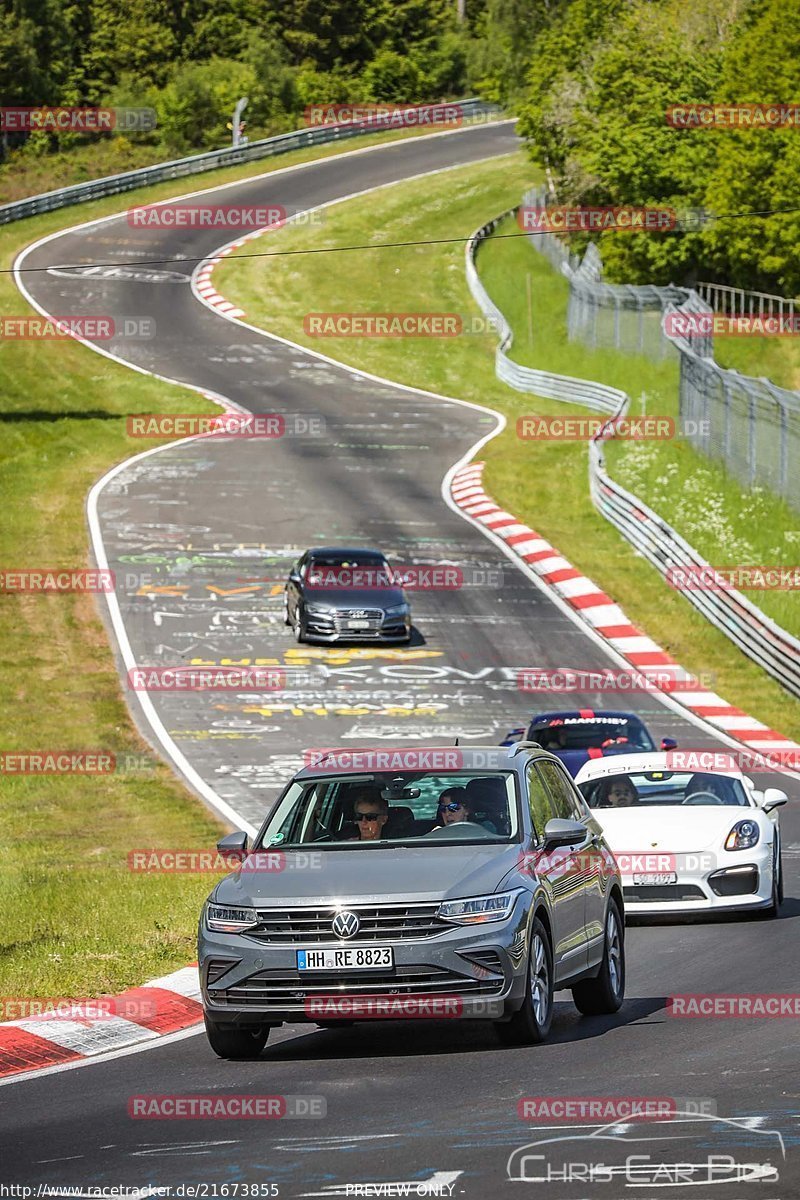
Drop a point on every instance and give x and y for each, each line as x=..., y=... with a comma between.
x=298, y=627
x=531, y=1023
x=605, y=993
x=236, y=1041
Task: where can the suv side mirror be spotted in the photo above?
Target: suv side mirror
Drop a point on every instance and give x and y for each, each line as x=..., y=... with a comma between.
x=773, y=798
x=668, y=744
x=558, y=832
x=233, y=843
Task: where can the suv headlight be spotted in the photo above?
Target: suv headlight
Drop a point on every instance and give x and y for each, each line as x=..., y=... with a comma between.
x=477, y=910
x=224, y=918
x=397, y=610
x=743, y=836
x=318, y=610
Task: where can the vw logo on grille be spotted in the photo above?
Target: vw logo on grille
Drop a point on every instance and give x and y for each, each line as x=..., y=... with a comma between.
x=345, y=924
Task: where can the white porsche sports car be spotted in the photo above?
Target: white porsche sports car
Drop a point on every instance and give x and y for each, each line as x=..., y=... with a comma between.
x=687, y=841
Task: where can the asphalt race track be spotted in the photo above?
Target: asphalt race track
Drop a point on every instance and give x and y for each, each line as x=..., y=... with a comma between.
x=200, y=536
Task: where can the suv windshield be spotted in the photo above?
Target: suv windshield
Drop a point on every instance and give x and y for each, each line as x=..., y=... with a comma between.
x=584, y=733
x=375, y=809
x=640, y=788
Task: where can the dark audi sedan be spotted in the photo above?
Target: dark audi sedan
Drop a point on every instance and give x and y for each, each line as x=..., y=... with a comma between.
x=417, y=883
x=337, y=594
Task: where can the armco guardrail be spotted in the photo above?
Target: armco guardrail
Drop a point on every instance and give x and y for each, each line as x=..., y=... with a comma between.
x=760, y=638
x=528, y=379
x=80, y=193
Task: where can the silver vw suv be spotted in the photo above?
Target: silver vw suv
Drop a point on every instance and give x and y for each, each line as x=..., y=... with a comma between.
x=427, y=883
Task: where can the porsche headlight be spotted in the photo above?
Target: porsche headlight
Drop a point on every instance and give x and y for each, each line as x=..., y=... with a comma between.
x=743, y=836
x=478, y=910
x=225, y=918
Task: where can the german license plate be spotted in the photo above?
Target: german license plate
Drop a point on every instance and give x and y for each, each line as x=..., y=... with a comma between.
x=656, y=878
x=352, y=958
x=358, y=624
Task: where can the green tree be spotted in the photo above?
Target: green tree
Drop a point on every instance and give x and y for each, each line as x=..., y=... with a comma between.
x=758, y=168
x=196, y=105
x=391, y=76
x=139, y=36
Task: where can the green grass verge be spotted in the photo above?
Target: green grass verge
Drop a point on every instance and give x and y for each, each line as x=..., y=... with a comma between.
x=75, y=921
x=776, y=358
x=544, y=483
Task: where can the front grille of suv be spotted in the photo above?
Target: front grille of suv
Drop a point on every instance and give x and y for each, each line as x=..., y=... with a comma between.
x=390, y=922
x=285, y=989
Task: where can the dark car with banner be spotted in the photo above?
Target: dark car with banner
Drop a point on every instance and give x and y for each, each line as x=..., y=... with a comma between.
x=579, y=735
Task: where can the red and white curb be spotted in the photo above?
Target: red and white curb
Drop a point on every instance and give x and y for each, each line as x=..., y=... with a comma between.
x=161, y=1006
x=605, y=617
x=202, y=280
x=210, y=294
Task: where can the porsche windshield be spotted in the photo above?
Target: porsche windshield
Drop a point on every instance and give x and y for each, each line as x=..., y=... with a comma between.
x=348, y=811
x=639, y=788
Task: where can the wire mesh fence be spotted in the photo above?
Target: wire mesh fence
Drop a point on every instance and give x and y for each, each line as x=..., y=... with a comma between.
x=623, y=316
x=750, y=425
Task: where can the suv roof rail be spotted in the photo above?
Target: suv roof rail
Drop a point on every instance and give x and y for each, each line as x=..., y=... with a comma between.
x=515, y=747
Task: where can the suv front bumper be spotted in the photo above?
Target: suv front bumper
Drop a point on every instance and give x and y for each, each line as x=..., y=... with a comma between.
x=464, y=972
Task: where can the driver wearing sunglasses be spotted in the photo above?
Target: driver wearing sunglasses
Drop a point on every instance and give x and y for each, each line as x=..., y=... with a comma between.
x=453, y=807
x=370, y=814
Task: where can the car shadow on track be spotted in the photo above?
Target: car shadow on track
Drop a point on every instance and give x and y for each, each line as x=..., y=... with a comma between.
x=404, y=1039
x=789, y=909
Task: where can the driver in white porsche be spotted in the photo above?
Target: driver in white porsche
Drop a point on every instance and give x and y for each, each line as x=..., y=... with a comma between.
x=618, y=792
x=710, y=785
